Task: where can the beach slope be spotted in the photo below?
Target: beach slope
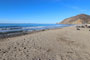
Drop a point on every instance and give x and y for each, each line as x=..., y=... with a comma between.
x=58, y=44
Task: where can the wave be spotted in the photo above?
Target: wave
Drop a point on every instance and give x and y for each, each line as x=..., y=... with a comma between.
x=28, y=27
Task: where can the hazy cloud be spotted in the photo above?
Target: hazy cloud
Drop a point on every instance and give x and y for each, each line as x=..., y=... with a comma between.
x=76, y=8
x=79, y=9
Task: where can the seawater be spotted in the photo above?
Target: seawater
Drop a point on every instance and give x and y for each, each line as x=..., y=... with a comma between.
x=7, y=27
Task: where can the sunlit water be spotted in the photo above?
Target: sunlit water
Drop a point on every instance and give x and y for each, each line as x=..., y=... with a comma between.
x=29, y=27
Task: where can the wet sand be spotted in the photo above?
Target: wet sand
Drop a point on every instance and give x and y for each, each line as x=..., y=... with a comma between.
x=58, y=44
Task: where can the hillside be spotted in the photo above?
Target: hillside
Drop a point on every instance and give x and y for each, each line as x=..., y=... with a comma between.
x=79, y=19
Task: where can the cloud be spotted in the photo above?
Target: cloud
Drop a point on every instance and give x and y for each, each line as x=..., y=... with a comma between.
x=78, y=9
x=83, y=10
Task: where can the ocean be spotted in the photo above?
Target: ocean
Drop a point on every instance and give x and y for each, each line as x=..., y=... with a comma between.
x=7, y=27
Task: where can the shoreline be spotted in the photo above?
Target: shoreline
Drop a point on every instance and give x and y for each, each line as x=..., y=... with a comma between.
x=58, y=44
x=5, y=36
x=13, y=31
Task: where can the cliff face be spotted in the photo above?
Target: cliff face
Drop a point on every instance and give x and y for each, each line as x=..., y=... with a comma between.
x=79, y=19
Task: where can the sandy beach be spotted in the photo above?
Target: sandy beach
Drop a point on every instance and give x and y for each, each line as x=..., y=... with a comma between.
x=58, y=44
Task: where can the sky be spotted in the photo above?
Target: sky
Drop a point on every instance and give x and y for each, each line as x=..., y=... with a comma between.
x=41, y=11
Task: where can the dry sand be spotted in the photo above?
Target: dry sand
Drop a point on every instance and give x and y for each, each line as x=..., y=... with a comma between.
x=59, y=44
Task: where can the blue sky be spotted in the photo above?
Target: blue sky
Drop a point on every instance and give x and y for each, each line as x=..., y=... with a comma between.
x=41, y=11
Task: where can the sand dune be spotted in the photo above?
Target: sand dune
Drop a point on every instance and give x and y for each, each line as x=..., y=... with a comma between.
x=59, y=44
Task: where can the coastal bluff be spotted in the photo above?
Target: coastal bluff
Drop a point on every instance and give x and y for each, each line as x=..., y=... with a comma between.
x=79, y=19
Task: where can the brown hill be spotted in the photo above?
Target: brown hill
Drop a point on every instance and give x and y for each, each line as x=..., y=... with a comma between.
x=79, y=19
